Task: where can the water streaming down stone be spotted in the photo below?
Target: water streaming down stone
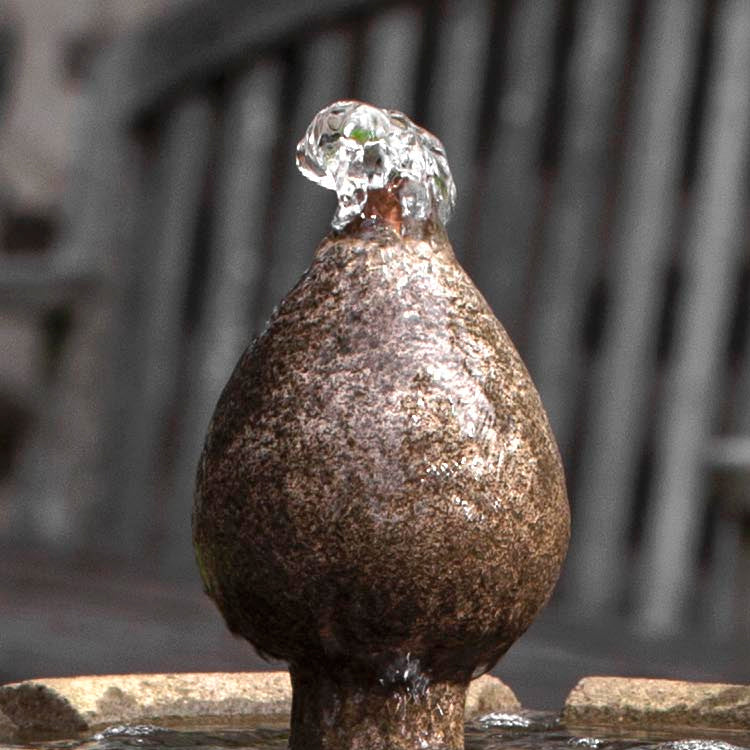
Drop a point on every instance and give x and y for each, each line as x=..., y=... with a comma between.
x=380, y=501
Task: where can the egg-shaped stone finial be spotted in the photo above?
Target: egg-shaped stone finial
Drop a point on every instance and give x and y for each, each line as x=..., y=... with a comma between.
x=380, y=501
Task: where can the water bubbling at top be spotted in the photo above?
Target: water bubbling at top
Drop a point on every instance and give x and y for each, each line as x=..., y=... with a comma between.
x=352, y=148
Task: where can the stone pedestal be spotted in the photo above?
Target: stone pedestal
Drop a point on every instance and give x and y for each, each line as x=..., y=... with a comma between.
x=332, y=714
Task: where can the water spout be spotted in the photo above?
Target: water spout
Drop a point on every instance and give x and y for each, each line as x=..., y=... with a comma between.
x=355, y=148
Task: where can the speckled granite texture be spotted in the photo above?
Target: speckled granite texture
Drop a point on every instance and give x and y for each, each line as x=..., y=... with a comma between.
x=64, y=706
x=60, y=708
x=644, y=703
x=380, y=497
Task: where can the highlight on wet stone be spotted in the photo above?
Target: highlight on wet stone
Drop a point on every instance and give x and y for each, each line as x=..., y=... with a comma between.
x=353, y=148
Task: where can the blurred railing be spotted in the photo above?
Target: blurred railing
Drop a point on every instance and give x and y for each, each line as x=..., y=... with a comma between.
x=601, y=155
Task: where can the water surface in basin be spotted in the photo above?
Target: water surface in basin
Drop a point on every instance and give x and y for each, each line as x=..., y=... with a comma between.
x=525, y=730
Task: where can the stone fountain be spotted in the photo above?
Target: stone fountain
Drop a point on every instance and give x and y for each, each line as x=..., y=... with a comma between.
x=380, y=501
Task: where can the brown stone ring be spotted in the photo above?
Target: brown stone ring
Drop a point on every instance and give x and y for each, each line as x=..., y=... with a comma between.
x=380, y=501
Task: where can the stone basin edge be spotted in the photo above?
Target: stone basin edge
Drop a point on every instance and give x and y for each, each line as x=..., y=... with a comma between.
x=649, y=703
x=64, y=707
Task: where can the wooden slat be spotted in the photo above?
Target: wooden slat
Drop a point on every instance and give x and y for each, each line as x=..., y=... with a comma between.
x=739, y=423
x=234, y=276
x=41, y=284
x=743, y=587
x=62, y=475
x=509, y=203
x=305, y=209
x=730, y=453
x=723, y=606
x=703, y=316
x=573, y=231
x=207, y=37
x=455, y=100
x=388, y=75
x=641, y=241
x=720, y=615
x=95, y=204
x=728, y=459
x=181, y=173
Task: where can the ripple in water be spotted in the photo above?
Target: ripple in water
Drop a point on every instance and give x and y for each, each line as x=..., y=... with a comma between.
x=537, y=721
x=522, y=730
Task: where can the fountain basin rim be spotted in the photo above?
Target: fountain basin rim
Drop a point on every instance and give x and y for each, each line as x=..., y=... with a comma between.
x=648, y=703
x=63, y=707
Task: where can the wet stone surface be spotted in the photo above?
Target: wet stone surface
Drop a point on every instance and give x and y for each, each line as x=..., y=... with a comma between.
x=60, y=707
x=623, y=701
x=380, y=486
x=63, y=707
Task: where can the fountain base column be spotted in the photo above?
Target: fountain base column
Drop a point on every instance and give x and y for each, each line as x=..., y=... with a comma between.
x=342, y=713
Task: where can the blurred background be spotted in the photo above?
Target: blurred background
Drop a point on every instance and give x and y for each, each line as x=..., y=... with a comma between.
x=151, y=217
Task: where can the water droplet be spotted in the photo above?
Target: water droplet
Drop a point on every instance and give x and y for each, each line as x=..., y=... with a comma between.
x=405, y=673
x=352, y=148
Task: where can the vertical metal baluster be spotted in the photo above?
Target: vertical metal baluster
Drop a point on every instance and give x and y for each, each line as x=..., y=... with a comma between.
x=573, y=232
x=233, y=280
x=641, y=242
x=510, y=199
x=388, y=76
x=63, y=477
x=703, y=316
x=305, y=213
x=181, y=178
x=455, y=98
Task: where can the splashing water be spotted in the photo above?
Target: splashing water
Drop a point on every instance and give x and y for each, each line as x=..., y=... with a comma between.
x=352, y=148
x=405, y=672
